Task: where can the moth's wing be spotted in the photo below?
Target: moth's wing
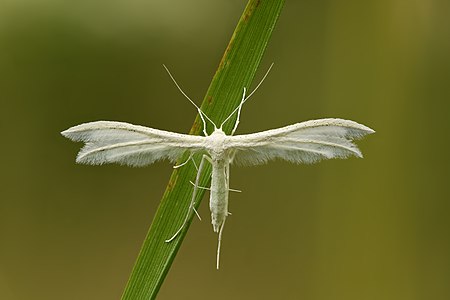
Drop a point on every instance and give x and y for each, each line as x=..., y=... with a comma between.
x=305, y=142
x=127, y=144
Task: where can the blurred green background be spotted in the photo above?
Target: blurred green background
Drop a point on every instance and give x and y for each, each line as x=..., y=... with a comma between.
x=372, y=228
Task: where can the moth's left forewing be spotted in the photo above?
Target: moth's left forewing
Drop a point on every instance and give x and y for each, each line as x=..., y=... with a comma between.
x=305, y=142
x=123, y=143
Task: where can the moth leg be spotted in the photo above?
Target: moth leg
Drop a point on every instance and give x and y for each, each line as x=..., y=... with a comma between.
x=200, y=187
x=196, y=213
x=209, y=189
x=194, y=194
x=219, y=244
x=231, y=161
x=207, y=158
x=185, y=162
x=195, y=164
x=233, y=154
x=197, y=179
x=227, y=175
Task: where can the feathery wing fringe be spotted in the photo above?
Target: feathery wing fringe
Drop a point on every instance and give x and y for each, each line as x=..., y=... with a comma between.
x=305, y=142
x=127, y=144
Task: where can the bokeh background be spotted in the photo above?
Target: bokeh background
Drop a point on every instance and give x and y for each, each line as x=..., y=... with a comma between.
x=372, y=228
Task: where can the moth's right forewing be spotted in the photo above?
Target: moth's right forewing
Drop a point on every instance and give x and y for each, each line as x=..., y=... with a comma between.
x=305, y=142
x=127, y=144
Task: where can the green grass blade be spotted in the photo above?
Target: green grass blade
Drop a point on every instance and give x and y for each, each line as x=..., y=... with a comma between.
x=236, y=71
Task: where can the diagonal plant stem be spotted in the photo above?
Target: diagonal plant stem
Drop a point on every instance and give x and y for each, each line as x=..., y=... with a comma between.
x=236, y=71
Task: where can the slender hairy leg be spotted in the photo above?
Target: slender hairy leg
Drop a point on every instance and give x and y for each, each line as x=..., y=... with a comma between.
x=209, y=189
x=200, y=187
x=194, y=194
x=185, y=162
x=218, y=245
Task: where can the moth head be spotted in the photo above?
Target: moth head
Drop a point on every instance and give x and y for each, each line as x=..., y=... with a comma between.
x=218, y=132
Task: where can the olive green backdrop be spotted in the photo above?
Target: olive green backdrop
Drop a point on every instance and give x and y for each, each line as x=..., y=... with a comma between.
x=372, y=228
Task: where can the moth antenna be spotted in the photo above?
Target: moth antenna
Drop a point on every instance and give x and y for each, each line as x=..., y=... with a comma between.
x=239, y=113
x=259, y=84
x=219, y=244
x=239, y=108
x=244, y=99
x=201, y=113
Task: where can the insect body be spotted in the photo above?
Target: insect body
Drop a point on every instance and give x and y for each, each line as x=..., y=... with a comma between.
x=133, y=145
x=220, y=160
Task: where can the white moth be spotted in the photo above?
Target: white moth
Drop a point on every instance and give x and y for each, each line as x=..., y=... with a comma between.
x=133, y=145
